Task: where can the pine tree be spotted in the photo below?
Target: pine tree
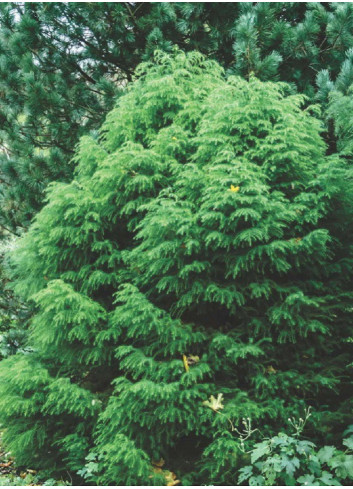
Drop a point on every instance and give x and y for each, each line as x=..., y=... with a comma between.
x=335, y=96
x=195, y=272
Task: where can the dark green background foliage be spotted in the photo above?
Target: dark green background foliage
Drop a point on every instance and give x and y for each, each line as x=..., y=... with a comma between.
x=205, y=221
x=62, y=64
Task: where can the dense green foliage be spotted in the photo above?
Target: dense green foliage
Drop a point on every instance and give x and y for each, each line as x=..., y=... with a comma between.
x=285, y=460
x=195, y=272
x=62, y=64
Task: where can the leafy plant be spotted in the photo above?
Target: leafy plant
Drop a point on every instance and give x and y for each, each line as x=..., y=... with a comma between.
x=286, y=460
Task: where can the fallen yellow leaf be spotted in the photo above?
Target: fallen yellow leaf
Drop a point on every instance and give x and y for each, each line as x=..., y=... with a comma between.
x=185, y=362
x=234, y=189
x=171, y=479
x=160, y=463
x=214, y=404
x=271, y=370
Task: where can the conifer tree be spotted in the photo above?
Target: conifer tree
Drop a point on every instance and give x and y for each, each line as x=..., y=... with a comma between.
x=195, y=272
x=64, y=63
x=335, y=97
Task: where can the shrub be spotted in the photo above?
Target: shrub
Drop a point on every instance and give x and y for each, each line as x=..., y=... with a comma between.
x=196, y=271
x=286, y=460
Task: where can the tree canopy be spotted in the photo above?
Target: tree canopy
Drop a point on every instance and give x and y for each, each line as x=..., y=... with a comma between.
x=64, y=63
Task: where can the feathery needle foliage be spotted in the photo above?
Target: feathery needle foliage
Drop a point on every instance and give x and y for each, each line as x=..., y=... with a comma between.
x=203, y=249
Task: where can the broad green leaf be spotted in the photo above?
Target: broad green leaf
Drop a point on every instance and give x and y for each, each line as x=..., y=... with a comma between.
x=256, y=481
x=306, y=480
x=349, y=430
x=261, y=449
x=325, y=454
x=348, y=442
x=305, y=446
x=290, y=464
x=343, y=466
x=245, y=473
x=328, y=479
